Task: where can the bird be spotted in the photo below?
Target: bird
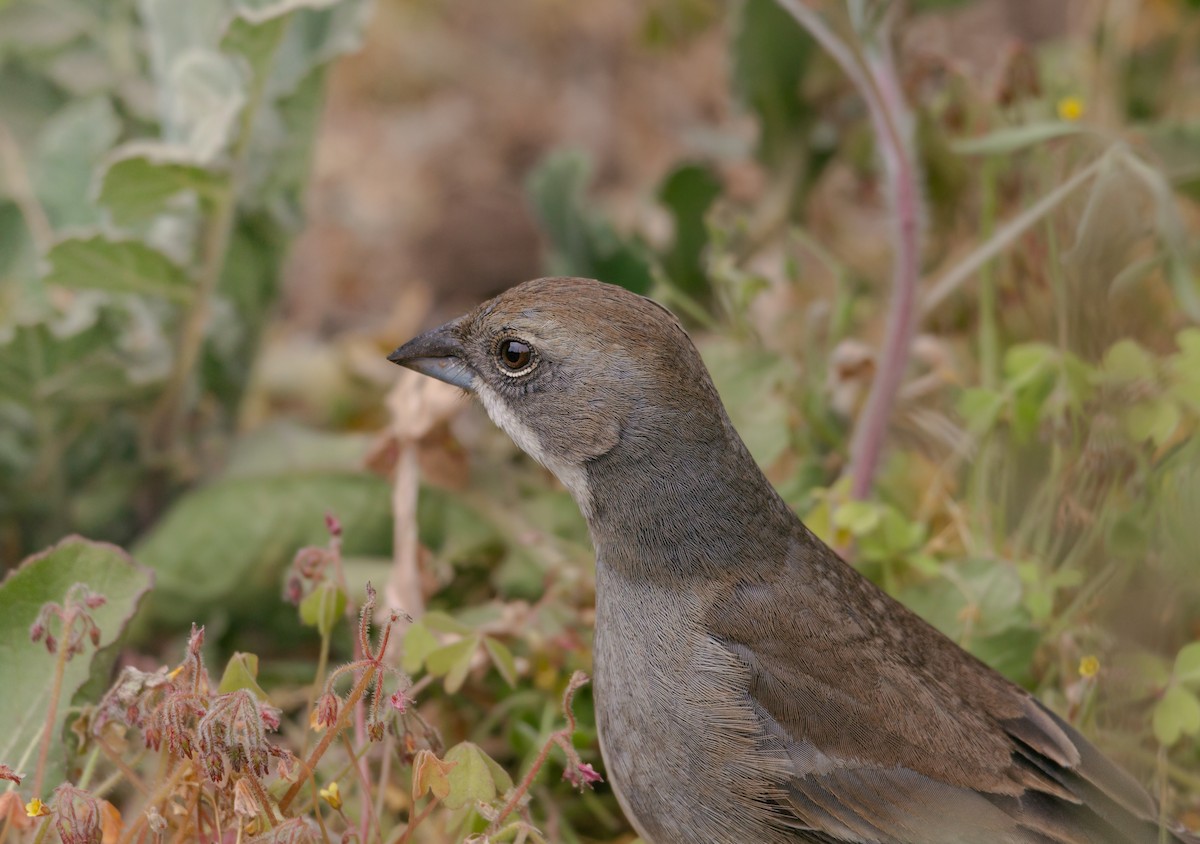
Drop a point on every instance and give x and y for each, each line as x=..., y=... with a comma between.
x=751, y=687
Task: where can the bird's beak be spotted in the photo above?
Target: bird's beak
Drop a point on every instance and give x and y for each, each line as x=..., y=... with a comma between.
x=438, y=354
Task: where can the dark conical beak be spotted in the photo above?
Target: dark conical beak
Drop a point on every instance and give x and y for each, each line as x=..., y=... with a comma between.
x=439, y=354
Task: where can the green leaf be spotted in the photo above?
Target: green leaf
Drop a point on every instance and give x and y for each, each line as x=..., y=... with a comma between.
x=980, y=408
x=1125, y=360
x=72, y=370
x=1188, y=341
x=1175, y=715
x=454, y=531
x=283, y=446
x=452, y=662
x=1152, y=420
x=117, y=266
x=209, y=94
x=1004, y=141
x=502, y=658
x=772, y=55
x=1010, y=652
x=419, y=643
x=200, y=91
x=1027, y=361
x=1187, y=664
x=256, y=40
x=979, y=597
x=472, y=779
x=688, y=192
x=582, y=243
x=324, y=607
x=140, y=180
x=858, y=517
x=284, y=41
x=752, y=384
x=69, y=148
x=1185, y=369
x=241, y=672
x=242, y=532
x=261, y=11
x=26, y=669
x=440, y=622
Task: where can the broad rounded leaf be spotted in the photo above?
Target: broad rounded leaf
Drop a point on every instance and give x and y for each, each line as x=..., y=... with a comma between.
x=209, y=94
x=242, y=532
x=1152, y=420
x=69, y=147
x=858, y=517
x=476, y=777
x=241, y=672
x=502, y=658
x=117, y=266
x=1127, y=361
x=1177, y=714
x=324, y=608
x=26, y=668
x=1187, y=664
x=140, y=179
x=418, y=644
x=1026, y=361
x=452, y=662
x=440, y=622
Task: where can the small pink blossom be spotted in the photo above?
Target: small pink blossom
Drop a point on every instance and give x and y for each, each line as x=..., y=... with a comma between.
x=583, y=775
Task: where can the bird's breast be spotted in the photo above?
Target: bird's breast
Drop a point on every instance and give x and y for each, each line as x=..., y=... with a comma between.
x=682, y=744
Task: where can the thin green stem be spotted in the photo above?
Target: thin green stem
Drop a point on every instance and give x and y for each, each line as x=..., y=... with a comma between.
x=43, y=830
x=89, y=769
x=989, y=335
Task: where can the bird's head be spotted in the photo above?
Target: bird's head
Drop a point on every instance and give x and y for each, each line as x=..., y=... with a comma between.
x=577, y=371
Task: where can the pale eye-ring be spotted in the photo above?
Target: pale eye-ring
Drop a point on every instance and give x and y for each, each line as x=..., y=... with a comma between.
x=515, y=356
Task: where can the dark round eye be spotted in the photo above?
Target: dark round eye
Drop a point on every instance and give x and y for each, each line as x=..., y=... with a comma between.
x=514, y=355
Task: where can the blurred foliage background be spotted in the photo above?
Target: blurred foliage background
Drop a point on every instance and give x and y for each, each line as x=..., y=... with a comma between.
x=217, y=217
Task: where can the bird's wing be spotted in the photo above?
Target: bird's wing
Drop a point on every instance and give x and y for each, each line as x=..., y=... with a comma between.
x=896, y=734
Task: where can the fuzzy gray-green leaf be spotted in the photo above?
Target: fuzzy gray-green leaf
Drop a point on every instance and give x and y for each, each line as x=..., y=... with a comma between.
x=116, y=266
x=26, y=668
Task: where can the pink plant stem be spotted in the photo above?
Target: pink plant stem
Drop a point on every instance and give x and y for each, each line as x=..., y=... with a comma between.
x=889, y=117
x=876, y=78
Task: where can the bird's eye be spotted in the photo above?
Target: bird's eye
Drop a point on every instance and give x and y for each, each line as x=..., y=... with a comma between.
x=515, y=356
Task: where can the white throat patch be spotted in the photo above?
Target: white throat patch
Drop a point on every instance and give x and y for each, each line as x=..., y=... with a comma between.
x=572, y=476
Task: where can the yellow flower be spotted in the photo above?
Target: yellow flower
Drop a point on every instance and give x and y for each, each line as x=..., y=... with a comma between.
x=331, y=794
x=35, y=808
x=1089, y=667
x=1070, y=108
